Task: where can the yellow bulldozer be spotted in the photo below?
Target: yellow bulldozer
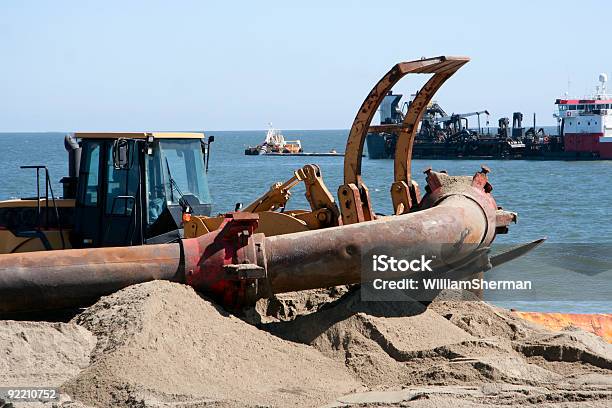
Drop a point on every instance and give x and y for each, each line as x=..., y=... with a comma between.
x=128, y=189
x=122, y=189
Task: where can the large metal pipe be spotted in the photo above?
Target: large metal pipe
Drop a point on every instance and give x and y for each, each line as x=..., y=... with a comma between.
x=75, y=277
x=236, y=267
x=334, y=256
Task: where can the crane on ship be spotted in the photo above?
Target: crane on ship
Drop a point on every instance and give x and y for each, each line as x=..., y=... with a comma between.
x=456, y=118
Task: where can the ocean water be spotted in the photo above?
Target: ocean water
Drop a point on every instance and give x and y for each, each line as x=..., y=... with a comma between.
x=567, y=202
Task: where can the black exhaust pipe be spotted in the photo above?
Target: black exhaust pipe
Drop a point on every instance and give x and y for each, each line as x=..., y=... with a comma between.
x=74, y=161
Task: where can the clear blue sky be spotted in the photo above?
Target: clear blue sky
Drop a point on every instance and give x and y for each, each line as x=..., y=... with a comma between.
x=135, y=65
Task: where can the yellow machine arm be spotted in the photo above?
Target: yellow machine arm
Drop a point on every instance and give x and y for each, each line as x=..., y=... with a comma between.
x=276, y=197
x=323, y=210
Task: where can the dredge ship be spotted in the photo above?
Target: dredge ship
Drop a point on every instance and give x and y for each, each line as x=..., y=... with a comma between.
x=584, y=132
x=586, y=124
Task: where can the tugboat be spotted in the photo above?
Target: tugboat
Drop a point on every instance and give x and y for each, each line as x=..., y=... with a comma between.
x=275, y=143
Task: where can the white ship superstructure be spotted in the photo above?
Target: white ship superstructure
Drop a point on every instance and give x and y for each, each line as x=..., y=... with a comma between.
x=586, y=124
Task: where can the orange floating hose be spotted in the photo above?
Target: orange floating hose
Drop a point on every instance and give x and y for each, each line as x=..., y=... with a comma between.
x=599, y=324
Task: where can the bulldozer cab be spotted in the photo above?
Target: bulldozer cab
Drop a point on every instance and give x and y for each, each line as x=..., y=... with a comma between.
x=133, y=188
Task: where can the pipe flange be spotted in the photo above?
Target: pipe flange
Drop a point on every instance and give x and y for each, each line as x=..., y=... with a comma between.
x=440, y=186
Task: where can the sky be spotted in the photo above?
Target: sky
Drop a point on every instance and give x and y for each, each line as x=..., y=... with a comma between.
x=238, y=65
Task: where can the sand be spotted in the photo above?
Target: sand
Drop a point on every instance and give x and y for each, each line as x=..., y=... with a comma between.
x=34, y=353
x=161, y=344
x=452, y=343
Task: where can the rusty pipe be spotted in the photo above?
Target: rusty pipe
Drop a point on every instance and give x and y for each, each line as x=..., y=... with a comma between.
x=236, y=267
x=75, y=277
x=334, y=256
x=458, y=217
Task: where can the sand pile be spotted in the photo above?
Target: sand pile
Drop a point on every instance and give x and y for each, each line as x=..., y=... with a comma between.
x=569, y=345
x=161, y=342
x=371, y=338
x=400, y=344
x=481, y=319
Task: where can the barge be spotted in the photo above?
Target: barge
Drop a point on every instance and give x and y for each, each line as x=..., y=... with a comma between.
x=584, y=132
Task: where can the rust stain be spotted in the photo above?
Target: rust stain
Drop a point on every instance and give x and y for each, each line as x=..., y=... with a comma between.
x=599, y=324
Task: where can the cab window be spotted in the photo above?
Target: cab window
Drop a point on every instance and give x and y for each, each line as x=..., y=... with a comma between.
x=122, y=181
x=175, y=170
x=156, y=194
x=90, y=173
x=182, y=162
